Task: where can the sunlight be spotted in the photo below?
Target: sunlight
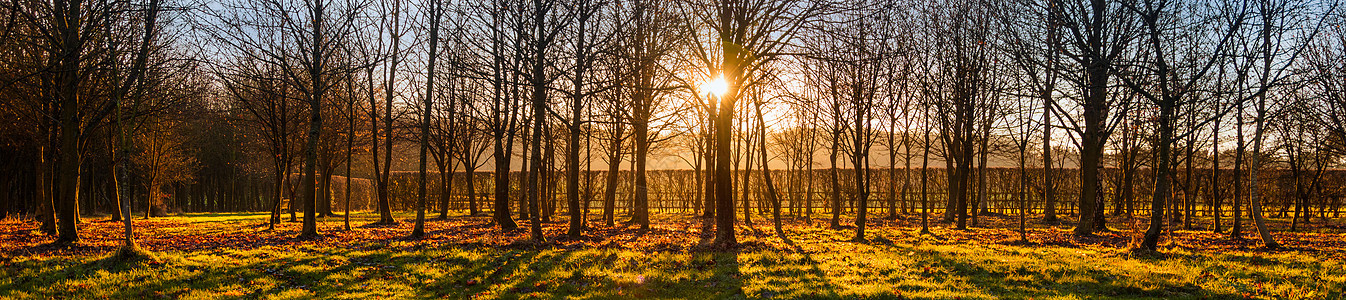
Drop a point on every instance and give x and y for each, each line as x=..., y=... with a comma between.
x=715, y=87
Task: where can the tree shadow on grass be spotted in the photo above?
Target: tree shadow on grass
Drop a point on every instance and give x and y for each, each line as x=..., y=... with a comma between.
x=707, y=234
x=1001, y=278
x=170, y=277
x=794, y=278
x=475, y=276
x=590, y=273
x=515, y=274
x=380, y=225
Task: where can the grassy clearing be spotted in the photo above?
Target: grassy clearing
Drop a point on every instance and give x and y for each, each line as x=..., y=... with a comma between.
x=819, y=263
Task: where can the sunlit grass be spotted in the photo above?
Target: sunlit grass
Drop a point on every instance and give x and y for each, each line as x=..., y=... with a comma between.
x=896, y=263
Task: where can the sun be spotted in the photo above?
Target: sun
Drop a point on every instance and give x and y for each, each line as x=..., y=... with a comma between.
x=715, y=87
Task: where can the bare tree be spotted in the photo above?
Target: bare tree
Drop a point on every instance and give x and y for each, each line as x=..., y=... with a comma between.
x=1092, y=36
x=587, y=42
x=962, y=74
x=1171, y=75
x=120, y=169
x=435, y=12
x=547, y=21
x=390, y=31
x=748, y=35
x=311, y=34
x=1283, y=35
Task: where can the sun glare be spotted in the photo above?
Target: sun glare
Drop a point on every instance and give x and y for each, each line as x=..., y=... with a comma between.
x=715, y=87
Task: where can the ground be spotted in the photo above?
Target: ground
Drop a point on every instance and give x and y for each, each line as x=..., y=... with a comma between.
x=234, y=256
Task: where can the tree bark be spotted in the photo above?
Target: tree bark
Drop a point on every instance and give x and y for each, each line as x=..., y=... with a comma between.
x=418, y=230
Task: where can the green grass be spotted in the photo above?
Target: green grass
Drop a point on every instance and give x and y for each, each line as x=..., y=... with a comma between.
x=820, y=265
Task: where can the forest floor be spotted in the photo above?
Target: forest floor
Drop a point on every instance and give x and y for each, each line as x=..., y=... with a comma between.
x=232, y=255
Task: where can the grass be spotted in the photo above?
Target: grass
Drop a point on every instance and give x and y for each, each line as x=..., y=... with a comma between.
x=464, y=259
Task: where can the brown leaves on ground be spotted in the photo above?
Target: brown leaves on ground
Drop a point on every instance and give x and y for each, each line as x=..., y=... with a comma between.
x=668, y=232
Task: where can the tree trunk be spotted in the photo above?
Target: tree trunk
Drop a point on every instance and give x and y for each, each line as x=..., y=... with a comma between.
x=1236, y=230
x=576, y=221
x=501, y=210
x=925, y=180
x=724, y=129
x=445, y=186
x=1163, y=175
x=836, y=185
x=808, y=188
x=471, y=173
x=522, y=200
x=746, y=151
x=892, y=174
x=385, y=205
x=1023, y=190
x=610, y=190
x=1254, y=168
x=709, y=151
x=860, y=162
x=1215, y=177
x=70, y=50
x=418, y=230
x=1048, y=187
x=350, y=149
x=1092, y=142
x=766, y=172
x=46, y=208
x=1188, y=188
x=641, y=213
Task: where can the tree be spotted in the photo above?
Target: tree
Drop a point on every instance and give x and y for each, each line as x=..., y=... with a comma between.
x=649, y=40
x=547, y=24
x=70, y=66
x=863, y=62
x=1325, y=61
x=614, y=135
x=962, y=75
x=161, y=160
x=586, y=50
x=504, y=110
x=1023, y=43
x=435, y=11
x=1171, y=74
x=747, y=35
x=1277, y=54
x=301, y=41
x=122, y=176
x=267, y=105
x=449, y=138
x=390, y=20
x=1092, y=36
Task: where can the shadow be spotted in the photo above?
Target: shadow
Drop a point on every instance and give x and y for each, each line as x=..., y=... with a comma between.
x=931, y=234
x=381, y=225
x=787, y=277
x=171, y=277
x=785, y=238
x=486, y=273
x=753, y=229
x=458, y=251
x=706, y=236
x=726, y=275
x=1020, y=242
x=221, y=214
x=992, y=278
x=331, y=215
x=842, y=227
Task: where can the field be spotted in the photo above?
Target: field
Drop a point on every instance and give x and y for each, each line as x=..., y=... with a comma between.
x=233, y=256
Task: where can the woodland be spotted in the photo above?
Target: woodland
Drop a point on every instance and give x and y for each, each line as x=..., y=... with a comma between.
x=702, y=149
